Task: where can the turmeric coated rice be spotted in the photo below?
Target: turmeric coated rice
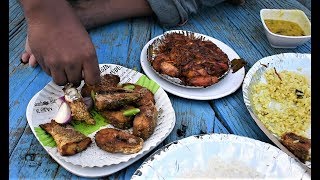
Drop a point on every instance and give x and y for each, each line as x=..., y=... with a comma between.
x=283, y=102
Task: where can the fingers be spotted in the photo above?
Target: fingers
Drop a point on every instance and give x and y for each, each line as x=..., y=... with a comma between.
x=59, y=77
x=91, y=71
x=25, y=58
x=74, y=74
x=32, y=61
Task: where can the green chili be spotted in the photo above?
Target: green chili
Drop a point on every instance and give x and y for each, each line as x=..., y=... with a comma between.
x=131, y=112
x=129, y=86
x=93, y=96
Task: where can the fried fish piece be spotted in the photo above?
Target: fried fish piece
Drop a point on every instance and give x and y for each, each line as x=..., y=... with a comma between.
x=145, y=122
x=117, y=119
x=79, y=111
x=114, y=141
x=69, y=141
x=115, y=100
x=107, y=81
x=298, y=145
x=146, y=94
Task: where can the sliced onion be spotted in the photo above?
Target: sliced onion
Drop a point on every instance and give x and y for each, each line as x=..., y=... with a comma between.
x=64, y=114
x=88, y=102
x=60, y=100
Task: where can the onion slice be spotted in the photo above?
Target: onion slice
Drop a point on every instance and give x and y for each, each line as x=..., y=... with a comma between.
x=64, y=114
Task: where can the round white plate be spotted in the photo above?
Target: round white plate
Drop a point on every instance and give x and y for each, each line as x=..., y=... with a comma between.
x=220, y=156
x=44, y=108
x=229, y=84
x=300, y=63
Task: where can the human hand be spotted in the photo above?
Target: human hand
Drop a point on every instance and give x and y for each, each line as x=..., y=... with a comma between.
x=62, y=46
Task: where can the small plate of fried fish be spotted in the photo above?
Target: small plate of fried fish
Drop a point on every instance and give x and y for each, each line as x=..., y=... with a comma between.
x=192, y=65
x=126, y=115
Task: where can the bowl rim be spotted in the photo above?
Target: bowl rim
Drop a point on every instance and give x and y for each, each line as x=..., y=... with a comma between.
x=284, y=36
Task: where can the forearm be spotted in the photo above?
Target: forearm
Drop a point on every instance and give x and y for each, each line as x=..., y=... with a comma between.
x=93, y=13
x=40, y=12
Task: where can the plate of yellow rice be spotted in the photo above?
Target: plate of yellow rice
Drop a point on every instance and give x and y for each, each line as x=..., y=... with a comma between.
x=277, y=93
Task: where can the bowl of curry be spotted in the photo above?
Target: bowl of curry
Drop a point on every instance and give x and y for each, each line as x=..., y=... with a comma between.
x=286, y=28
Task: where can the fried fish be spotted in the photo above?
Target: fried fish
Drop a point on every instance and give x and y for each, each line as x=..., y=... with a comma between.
x=117, y=118
x=107, y=81
x=146, y=94
x=79, y=111
x=145, y=122
x=69, y=141
x=115, y=100
x=298, y=145
x=114, y=141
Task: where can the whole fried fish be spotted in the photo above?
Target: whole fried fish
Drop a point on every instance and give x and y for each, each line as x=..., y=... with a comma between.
x=78, y=108
x=69, y=141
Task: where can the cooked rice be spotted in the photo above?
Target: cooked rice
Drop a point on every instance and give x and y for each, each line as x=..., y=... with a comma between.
x=278, y=106
x=218, y=168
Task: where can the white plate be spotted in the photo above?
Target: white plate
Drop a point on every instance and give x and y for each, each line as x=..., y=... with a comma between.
x=43, y=108
x=297, y=62
x=229, y=84
x=210, y=155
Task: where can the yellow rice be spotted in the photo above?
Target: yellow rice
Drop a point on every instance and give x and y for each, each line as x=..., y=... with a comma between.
x=278, y=106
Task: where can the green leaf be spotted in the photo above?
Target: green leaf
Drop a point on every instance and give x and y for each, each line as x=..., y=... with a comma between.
x=45, y=138
x=87, y=129
x=147, y=83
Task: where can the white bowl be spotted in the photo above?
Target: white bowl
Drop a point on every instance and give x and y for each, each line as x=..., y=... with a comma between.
x=293, y=15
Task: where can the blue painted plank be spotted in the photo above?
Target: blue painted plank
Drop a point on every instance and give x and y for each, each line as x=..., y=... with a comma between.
x=306, y=3
x=17, y=110
x=16, y=47
x=31, y=161
x=111, y=42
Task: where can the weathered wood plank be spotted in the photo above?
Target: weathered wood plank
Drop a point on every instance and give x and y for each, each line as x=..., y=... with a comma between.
x=17, y=109
x=306, y=3
x=29, y=160
x=16, y=48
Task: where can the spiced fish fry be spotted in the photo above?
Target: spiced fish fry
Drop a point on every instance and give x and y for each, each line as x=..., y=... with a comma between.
x=300, y=146
x=145, y=122
x=114, y=141
x=115, y=100
x=146, y=94
x=78, y=108
x=107, y=81
x=69, y=141
x=117, y=118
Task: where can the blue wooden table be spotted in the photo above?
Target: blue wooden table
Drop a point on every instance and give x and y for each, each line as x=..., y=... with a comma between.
x=121, y=43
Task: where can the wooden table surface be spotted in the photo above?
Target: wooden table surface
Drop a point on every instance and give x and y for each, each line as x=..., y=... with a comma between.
x=121, y=43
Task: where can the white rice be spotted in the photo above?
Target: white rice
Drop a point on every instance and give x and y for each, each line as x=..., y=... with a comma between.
x=218, y=168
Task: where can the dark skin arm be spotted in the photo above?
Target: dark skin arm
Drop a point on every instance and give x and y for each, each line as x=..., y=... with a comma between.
x=57, y=38
x=93, y=13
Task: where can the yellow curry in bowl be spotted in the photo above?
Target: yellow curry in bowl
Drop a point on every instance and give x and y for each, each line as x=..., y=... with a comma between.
x=282, y=27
